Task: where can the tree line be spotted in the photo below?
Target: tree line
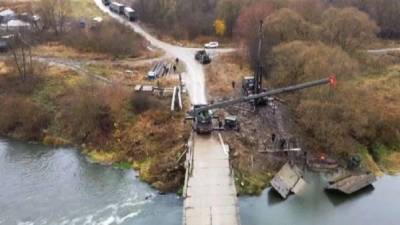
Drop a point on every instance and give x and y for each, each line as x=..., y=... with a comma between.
x=192, y=18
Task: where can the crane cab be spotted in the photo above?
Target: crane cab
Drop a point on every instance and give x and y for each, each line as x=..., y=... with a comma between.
x=248, y=85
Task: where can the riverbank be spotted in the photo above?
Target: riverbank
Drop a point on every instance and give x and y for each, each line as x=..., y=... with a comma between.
x=254, y=170
x=109, y=122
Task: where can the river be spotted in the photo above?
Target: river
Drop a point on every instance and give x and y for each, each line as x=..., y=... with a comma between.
x=42, y=185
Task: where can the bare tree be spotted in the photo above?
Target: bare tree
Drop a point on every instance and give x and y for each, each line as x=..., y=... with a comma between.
x=54, y=14
x=22, y=54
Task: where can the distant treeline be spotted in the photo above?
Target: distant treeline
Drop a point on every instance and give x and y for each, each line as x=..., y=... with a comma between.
x=191, y=18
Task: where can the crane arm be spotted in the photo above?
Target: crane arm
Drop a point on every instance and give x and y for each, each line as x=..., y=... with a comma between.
x=331, y=80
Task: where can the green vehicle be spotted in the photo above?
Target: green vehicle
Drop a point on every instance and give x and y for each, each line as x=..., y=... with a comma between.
x=202, y=57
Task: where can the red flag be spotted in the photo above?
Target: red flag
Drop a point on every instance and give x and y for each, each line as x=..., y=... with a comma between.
x=333, y=81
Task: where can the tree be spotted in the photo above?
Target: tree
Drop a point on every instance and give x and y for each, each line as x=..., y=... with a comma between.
x=229, y=11
x=220, y=27
x=300, y=61
x=54, y=14
x=286, y=25
x=22, y=55
x=348, y=28
x=310, y=10
x=249, y=18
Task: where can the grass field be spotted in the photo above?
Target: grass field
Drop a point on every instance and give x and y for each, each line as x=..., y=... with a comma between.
x=85, y=9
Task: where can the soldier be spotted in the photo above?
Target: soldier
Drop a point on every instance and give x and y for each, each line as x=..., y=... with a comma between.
x=219, y=123
x=282, y=144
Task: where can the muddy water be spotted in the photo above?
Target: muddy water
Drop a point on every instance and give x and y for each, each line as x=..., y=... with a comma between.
x=41, y=185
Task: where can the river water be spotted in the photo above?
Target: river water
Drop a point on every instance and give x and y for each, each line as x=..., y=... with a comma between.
x=41, y=185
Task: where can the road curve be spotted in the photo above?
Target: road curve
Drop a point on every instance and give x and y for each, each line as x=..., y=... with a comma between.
x=194, y=76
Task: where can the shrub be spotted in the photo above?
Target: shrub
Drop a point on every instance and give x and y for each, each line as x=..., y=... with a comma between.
x=85, y=115
x=22, y=117
x=299, y=61
x=142, y=102
x=348, y=28
x=109, y=37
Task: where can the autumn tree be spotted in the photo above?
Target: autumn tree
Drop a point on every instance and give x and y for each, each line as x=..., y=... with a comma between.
x=219, y=26
x=348, y=28
x=54, y=14
x=300, y=61
x=386, y=13
x=246, y=31
x=249, y=18
x=22, y=55
x=310, y=10
x=319, y=110
x=286, y=25
x=229, y=11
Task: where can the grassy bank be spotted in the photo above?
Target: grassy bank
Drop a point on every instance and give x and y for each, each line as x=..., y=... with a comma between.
x=110, y=123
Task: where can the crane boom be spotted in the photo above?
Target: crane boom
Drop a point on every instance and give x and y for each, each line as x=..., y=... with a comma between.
x=331, y=80
x=259, y=68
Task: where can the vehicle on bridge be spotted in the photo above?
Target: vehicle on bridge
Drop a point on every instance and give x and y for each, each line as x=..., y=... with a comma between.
x=203, y=122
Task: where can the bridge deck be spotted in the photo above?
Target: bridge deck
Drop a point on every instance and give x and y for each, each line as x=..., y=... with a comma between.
x=211, y=193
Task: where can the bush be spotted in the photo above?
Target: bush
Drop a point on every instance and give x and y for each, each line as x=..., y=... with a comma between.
x=109, y=37
x=299, y=61
x=362, y=110
x=348, y=28
x=142, y=102
x=22, y=117
x=85, y=115
x=286, y=25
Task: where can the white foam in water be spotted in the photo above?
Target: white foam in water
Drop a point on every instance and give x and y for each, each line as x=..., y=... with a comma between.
x=131, y=215
x=110, y=214
x=25, y=223
x=108, y=221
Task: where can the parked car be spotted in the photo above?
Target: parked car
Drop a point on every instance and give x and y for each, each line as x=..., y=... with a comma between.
x=106, y=2
x=212, y=44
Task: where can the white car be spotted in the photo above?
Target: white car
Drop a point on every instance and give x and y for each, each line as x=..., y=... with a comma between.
x=212, y=44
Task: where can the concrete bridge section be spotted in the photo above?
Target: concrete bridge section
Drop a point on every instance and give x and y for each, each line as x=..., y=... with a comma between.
x=210, y=192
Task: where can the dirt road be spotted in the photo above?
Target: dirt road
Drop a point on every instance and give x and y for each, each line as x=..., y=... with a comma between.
x=383, y=50
x=194, y=76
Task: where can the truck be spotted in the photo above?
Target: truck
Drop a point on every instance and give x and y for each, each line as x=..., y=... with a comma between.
x=201, y=115
x=106, y=2
x=117, y=7
x=202, y=57
x=130, y=14
x=203, y=121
